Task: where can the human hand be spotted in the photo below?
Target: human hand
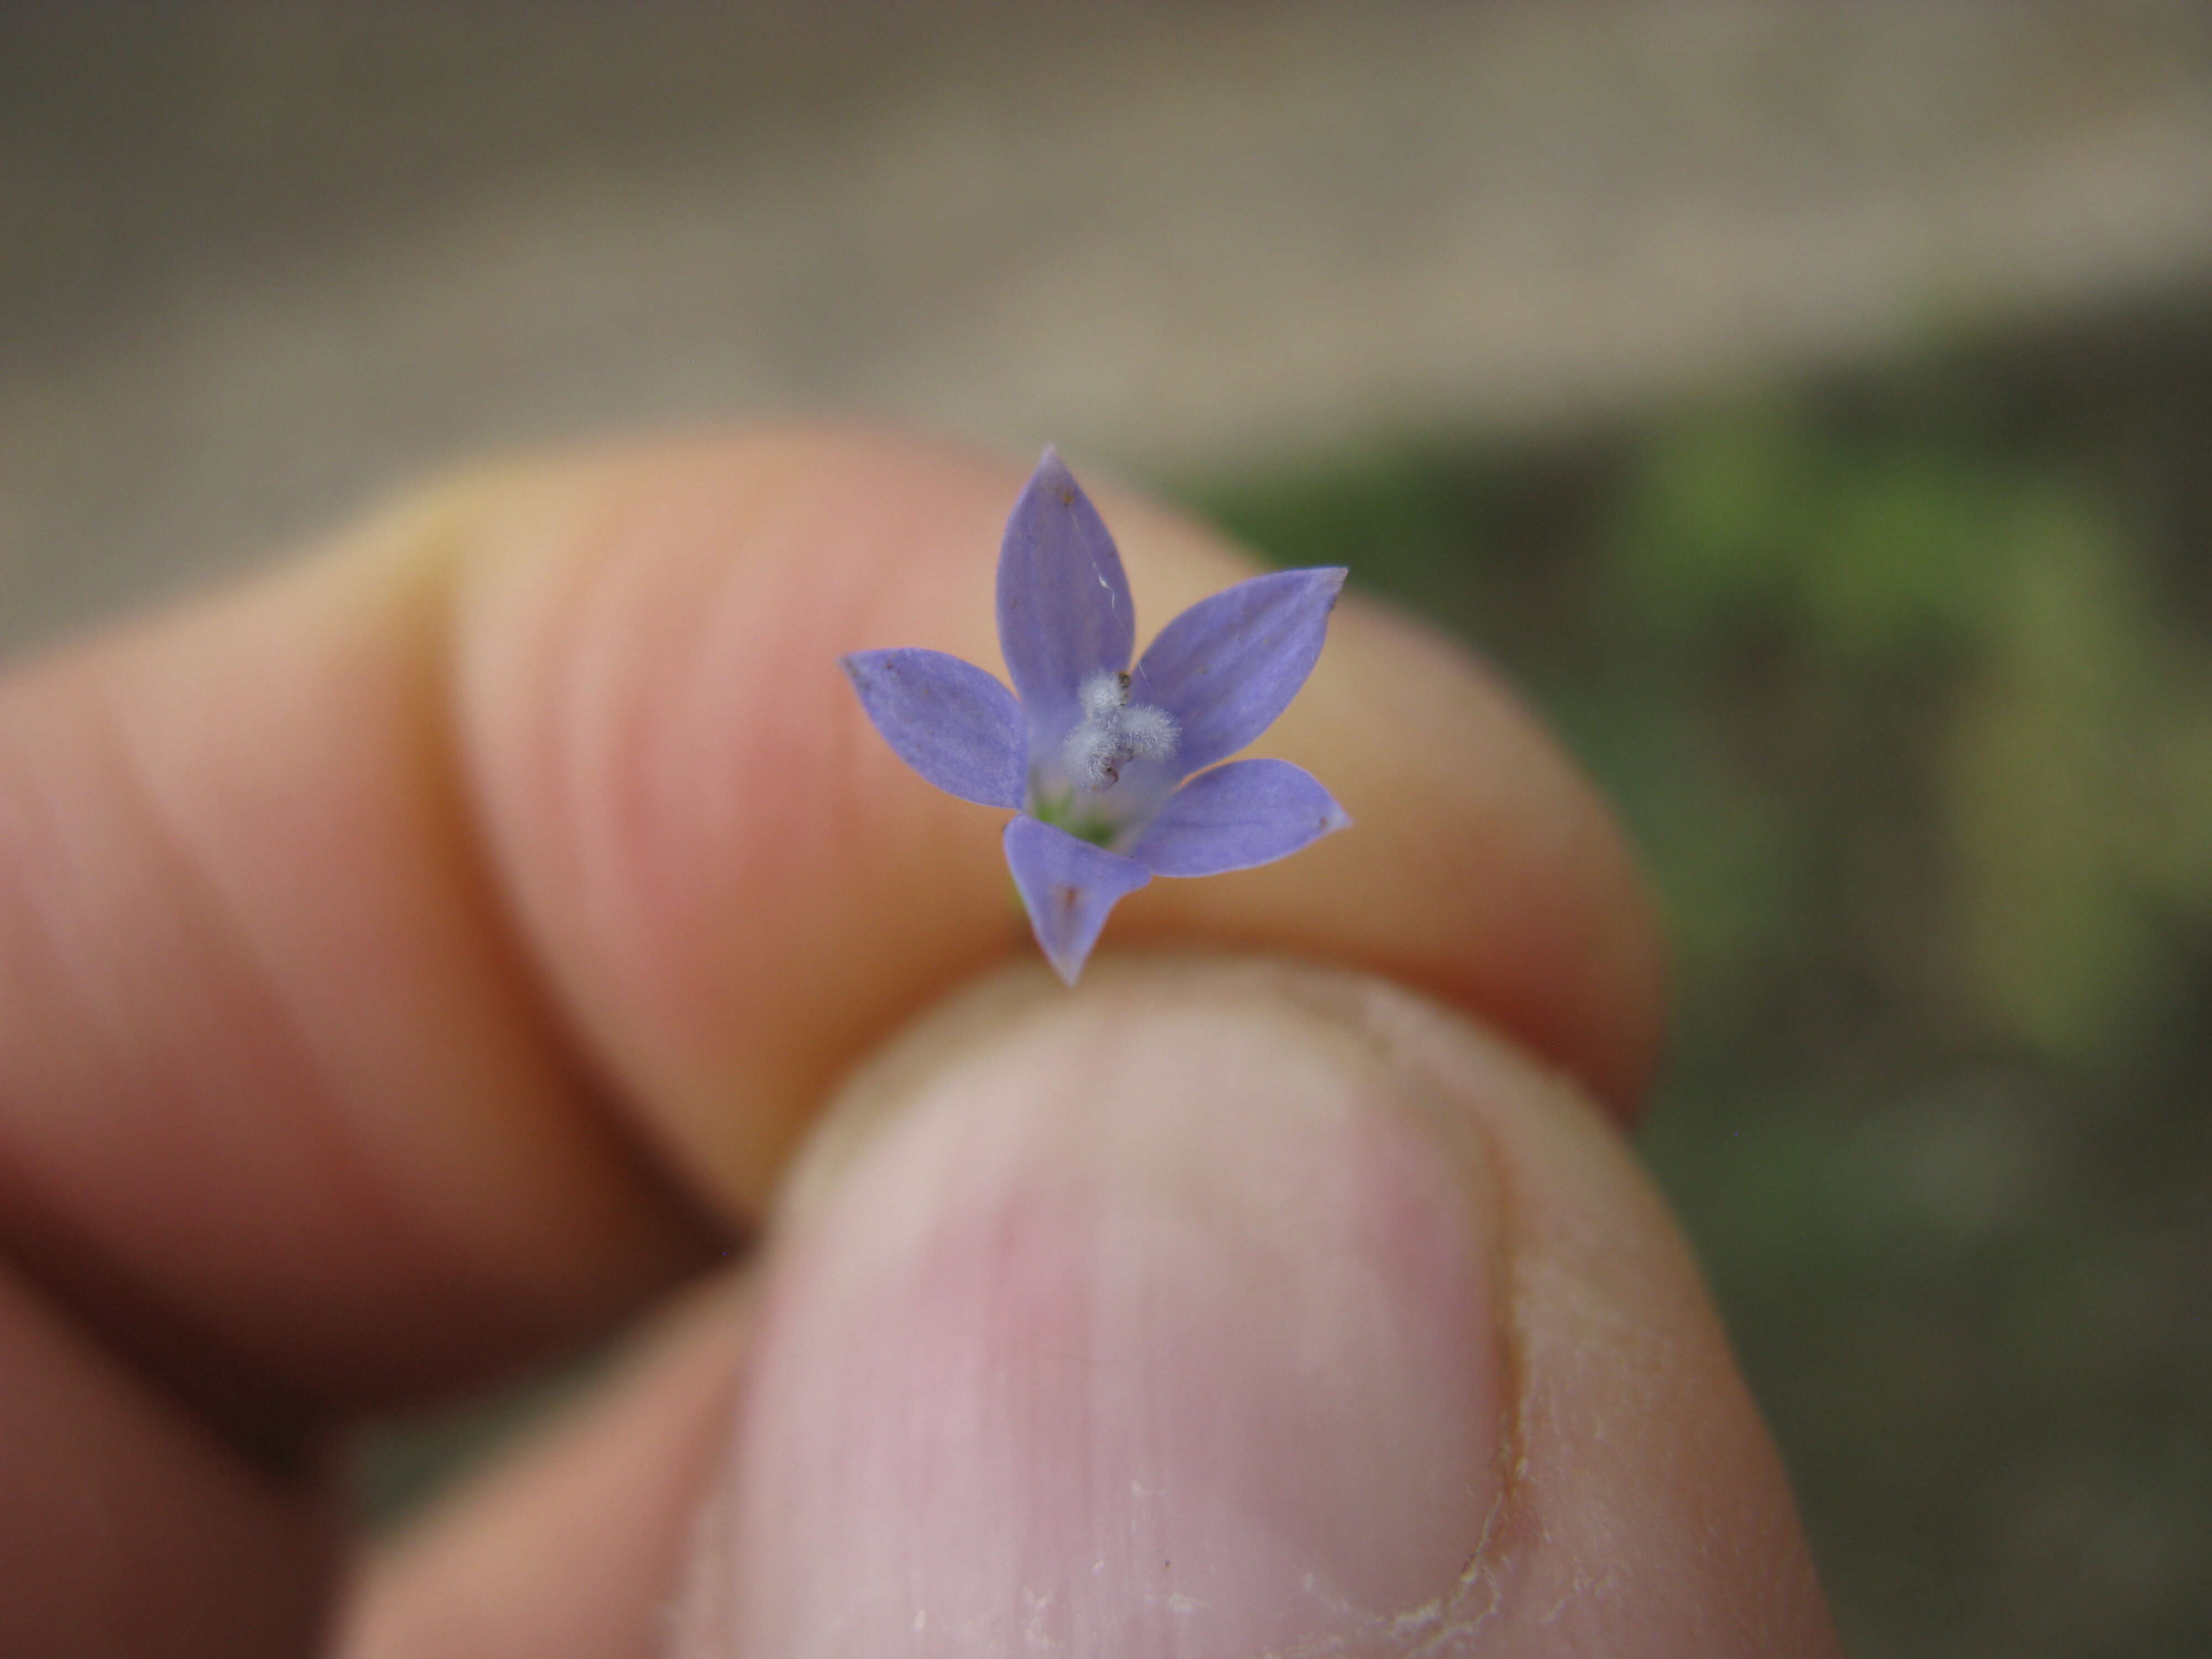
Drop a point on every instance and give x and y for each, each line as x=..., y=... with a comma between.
x=430, y=956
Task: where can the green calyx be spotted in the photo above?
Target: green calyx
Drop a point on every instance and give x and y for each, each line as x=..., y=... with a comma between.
x=1061, y=813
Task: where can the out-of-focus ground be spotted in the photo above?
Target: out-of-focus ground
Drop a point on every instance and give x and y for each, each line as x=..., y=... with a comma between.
x=1809, y=402
x=257, y=264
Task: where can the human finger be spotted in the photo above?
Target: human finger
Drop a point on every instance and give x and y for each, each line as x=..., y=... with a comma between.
x=1233, y=1307
x=738, y=887
x=1239, y=1308
x=567, y=1544
x=127, y=1526
x=387, y=950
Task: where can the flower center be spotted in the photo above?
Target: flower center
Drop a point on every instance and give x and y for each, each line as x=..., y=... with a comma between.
x=1114, y=732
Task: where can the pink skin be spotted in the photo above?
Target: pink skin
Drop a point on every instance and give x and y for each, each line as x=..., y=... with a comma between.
x=1223, y=1311
x=1196, y=1356
x=510, y=745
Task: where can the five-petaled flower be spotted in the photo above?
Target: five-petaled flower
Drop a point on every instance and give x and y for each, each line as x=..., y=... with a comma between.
x=1111, y=767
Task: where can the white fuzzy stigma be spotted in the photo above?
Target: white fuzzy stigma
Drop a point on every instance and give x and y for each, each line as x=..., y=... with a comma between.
x=1112, y=734
x=1102, y=693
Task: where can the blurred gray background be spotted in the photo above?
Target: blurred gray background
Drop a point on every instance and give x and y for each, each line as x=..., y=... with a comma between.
x=1809, y=403
x=258, y=265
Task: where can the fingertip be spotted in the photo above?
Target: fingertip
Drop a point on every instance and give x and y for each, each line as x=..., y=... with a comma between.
x=1238, y=1307
x=1232, y=1306
x=737, y=886
x=478, y=908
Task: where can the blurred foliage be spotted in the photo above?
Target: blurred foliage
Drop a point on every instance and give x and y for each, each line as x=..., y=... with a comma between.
x=1903, y=684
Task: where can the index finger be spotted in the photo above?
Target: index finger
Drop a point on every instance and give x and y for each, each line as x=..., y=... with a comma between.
x=740, y=887
x=427, y=908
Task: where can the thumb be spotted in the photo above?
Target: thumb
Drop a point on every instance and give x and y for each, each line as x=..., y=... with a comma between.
x=1235, y=1310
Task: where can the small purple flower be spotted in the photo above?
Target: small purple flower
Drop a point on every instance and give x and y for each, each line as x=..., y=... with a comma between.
x=1107, y=763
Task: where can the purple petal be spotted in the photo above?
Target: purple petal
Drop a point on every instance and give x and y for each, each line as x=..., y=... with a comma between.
x=948, y=719
x=1069, y=886
x=1246, y=812
x=1228, y=665
x=1064, y=609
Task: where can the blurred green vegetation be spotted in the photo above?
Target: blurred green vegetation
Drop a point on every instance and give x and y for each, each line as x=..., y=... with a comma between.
x=1902, y=683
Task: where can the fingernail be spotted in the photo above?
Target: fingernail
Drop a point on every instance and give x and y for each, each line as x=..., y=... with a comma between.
x=1160, y=1322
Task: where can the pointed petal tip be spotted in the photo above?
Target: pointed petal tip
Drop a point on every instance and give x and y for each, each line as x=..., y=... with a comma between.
x=1052, y=471
x=1238, y=817
x=1068, y=887
x=1328, y=578
x=1064, y=608
x=1228, y=666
